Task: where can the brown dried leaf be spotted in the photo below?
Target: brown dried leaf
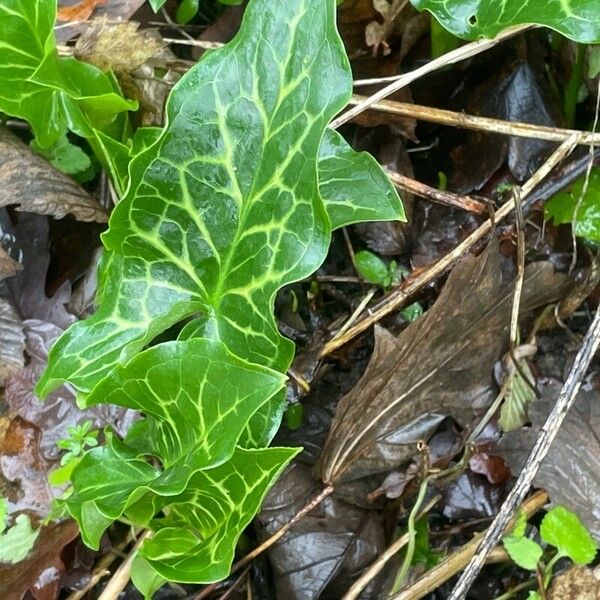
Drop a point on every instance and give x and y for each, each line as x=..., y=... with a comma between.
x=570, y=473
x=8, y=266
x=12, y=341
x=59, y=410
x=440, y=366
x=577, y=583
x=23, y=471
x=41, y=571
x=78, y=12
x=117, y=45
x=30, y=182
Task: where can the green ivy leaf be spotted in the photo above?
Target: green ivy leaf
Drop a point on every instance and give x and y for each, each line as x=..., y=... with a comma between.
x=53, y=94
x=354, y=187
x=18, y=540
x=218, y=505
x=196, y=395
x=578, y=20
x=145, y=578
x=561, y=207
x=563, y=529
x=217, y=221
x=524, y=552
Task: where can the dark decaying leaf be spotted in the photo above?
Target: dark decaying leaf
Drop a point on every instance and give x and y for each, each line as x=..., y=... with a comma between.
x=514, y=95
x=31, y=183
x=28, y=286
x=571, y=471
x=332, y=544
x=440, y=366
x=12, y=340
x=59, y=410
x=40, y=573
x=471, y=496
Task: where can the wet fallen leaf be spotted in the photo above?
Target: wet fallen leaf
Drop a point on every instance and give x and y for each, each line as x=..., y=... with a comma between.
x=577, y=583
x=40, y=573
x=376, y=33
x=32, y=184
x=332, y=544
x=59, y=410
x=78, y=12
x=28, y=286
x=512, y=95
x=23, y=471
x=570, y=472
x=440, y=366
x=12, y=340
x=117, y=45
x=471, y=496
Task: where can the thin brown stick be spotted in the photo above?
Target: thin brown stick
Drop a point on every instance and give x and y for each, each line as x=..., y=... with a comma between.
x=411, y=286
x=122, y=575
x=465, y=121
x=240, y=564
x=439, y=196
x=457, y=561
x=449, y=58
x=565, y=400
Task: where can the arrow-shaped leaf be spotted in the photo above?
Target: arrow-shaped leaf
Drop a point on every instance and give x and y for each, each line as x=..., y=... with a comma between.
x=577, y=19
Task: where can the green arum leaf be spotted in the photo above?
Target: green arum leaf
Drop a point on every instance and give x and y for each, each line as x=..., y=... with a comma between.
x=52, y=93
x=215, y=222
x=198, y=538
x=578, y=20
x=562, y=529
x=561, y=207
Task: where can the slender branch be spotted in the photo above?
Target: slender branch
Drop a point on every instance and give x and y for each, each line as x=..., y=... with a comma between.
x=457, y=561
x=411, y=286
x=465, y=121
x=540, y=449
x=434, y=195
x=449, y=58
x=121, y=576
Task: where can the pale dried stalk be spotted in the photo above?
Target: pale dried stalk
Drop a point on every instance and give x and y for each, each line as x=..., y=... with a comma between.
x=457, y=561
x=465, y=121
x=450, y=58
x=397, y=298
x=122, y=575
x=565, y=400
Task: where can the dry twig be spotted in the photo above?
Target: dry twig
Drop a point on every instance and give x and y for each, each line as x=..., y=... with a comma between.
x=540, y=449
x=400, y=295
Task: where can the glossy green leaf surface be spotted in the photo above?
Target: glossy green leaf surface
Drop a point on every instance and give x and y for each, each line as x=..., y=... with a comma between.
x=563, y=529
x=561, y=207
x=524, y=552
x=53, y=94
x=354, y=187
x=233, y=199
x=578, y=20
x=215, y=222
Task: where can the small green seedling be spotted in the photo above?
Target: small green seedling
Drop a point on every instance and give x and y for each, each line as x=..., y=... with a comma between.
x=375, y=270
x=81, y=438
x=17, y=541
x=563, y=536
